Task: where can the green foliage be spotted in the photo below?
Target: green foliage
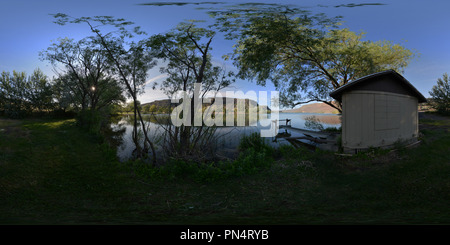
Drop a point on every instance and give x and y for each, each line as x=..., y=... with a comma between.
x=253, y=159
x=188, y=63
x=129, y=107
x=255, y=156
x=332, y=129
x=40, y=92
x=90, y=120
x=290, y=152
x=21, y=95
x=305, y=56
x=146, y=109
x=441, y=95
x=180, y=169
x=152, y=109
x=87, y=80
x=372, y=152
x=86, y=186
x=127, y=59
x=253, y=141
x=186, y=49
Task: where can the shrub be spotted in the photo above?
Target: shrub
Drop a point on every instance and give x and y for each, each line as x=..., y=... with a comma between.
x=255, y=155
x=90, y=120
x=441, y=95
x=333, y=129
x=290, y=152
x=251, y=160
x=254, y=141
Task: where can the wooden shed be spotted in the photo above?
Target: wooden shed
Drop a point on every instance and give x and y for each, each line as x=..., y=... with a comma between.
x=378, y=110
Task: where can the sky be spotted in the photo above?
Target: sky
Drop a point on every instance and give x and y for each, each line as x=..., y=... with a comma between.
x=26, y=28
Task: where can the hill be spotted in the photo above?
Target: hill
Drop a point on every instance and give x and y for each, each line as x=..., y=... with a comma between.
x=159, y=103
x=314, y=108
x=166, y=103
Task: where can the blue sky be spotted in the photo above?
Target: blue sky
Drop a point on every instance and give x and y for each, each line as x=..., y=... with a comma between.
x=26, y=28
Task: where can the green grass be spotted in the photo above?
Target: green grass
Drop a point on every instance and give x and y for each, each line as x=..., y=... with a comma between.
x=52, y=172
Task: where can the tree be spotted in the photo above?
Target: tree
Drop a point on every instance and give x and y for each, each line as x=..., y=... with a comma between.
x=13, y=88
x=441, y=94
x=86, y=71
x=305, y=56
x=39, y=93
x=66, y=93
x=186, y=50
x=129, y=107
x=129, y=59
x=21, y=95
x=153, y=109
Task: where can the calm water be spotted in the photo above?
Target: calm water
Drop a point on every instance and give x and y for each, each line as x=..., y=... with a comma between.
x=227, y=137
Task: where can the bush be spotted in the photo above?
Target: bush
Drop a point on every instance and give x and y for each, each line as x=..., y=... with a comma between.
x=290, y=152
x=254, y=141
x=251, y=160
x=333, y=129
x=89, y=119
x=255, y=155
x=441, y=95
x=92, y=120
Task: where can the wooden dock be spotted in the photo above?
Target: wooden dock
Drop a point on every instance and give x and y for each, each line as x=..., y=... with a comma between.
x=306, y=138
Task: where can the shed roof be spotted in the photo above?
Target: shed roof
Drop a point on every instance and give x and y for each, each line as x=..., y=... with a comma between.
x=385, y=81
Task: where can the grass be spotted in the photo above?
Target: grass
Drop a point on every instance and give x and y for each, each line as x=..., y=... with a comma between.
x=51, y=172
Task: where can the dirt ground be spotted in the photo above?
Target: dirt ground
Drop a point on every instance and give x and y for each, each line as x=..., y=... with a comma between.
x=432, y=116
x=445, y=125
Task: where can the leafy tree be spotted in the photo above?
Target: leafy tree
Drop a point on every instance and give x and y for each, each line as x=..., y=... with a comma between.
x=129, y=107
x=66, y=93
x=186, y=50
x=117, y=109
x=129, y=59
x=152, y=109
x=440, y=94
x=12, y=94
x=40, y=93
x=86, y=71
x=305, y=56
x=21, y=95
x=145, y=109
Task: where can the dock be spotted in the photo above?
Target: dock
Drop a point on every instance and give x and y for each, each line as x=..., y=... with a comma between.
x=306, y=138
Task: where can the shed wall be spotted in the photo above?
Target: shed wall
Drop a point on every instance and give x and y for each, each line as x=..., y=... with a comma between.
x=376, y=119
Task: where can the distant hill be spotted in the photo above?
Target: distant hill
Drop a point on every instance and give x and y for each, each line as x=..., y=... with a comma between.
x=314, y=108
x=165, y=103
x=159, y=103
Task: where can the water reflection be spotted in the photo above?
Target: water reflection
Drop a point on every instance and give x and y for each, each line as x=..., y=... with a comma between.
x=226, y=138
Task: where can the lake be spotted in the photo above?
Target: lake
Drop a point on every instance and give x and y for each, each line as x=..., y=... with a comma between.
x=227, y=138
